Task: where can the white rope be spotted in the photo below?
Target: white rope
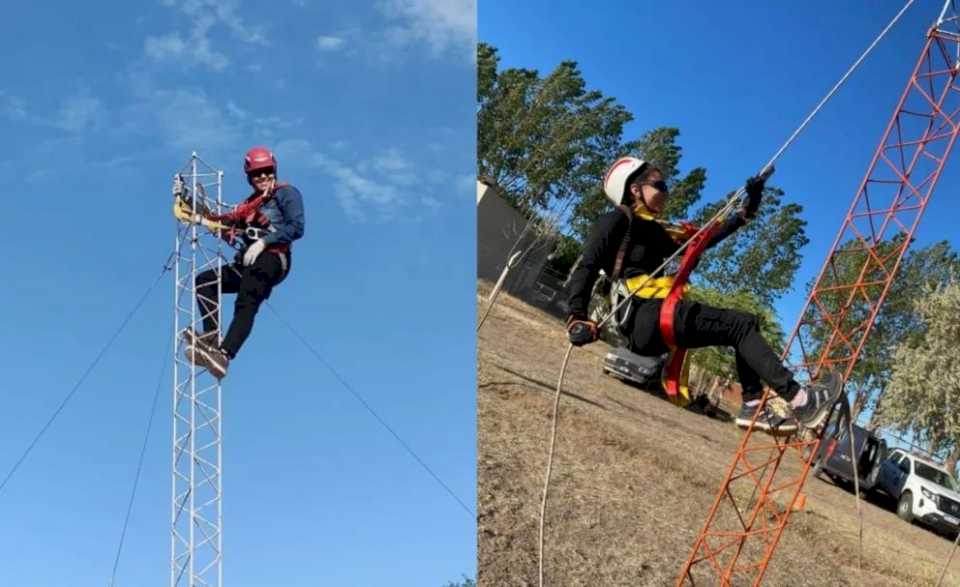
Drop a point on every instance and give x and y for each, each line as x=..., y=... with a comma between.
x=515, y=257
x=836, y=86
x=553, y=439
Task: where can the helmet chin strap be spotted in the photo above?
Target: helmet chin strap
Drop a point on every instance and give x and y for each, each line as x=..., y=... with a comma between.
x=640, y=208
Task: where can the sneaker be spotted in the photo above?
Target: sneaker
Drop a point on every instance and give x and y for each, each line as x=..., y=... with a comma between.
x=205, y=339
x=204, y=351
x=767, y=420
x=821, y=397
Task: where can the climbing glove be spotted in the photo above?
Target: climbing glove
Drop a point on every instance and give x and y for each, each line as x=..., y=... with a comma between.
x=754, y=188
x=581, y=332
x=252, y=252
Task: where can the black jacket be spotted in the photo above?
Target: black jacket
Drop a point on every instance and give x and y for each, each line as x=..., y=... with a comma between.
x=650, y=245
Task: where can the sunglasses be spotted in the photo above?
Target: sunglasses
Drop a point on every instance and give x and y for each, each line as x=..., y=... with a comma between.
x=261, y=173
x=661, y=186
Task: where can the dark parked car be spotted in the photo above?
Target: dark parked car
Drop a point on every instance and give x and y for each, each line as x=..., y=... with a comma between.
x=834, y=460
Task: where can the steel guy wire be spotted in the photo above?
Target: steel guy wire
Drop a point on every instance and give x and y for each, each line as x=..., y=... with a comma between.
x=86, y=373
x=143, y=451
x=346, y=385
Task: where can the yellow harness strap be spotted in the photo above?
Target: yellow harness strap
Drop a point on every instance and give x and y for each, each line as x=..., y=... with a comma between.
x=658, y=288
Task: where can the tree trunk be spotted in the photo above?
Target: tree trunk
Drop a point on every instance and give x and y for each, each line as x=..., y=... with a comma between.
x=572, y=269
x=714, y=392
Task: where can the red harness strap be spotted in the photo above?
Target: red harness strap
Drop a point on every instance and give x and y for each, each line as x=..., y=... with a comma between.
x=674, y=372
x=248, y=212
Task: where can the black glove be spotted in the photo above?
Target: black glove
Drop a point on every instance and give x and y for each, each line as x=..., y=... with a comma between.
x=581, y=332
x=754, y=188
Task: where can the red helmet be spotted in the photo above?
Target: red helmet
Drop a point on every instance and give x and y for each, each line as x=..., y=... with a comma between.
x=259, y=158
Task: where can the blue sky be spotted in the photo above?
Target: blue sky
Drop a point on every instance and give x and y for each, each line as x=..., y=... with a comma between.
x=737, y=78
x=369, y=108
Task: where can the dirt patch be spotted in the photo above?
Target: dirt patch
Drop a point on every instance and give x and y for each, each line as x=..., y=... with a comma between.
x=634, y=478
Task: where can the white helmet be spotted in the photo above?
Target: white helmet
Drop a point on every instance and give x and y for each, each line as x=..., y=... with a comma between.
x=615, y=181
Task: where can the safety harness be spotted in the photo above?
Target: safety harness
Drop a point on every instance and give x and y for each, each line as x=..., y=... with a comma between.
x=669, y=288
x=249, y=223
x=245, y=221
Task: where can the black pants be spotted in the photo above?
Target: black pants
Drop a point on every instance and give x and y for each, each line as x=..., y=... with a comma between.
x=697, y=325
x=251, y=284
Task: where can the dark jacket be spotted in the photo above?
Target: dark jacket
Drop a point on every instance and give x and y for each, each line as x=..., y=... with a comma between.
x=650, y=245
x=281, y=213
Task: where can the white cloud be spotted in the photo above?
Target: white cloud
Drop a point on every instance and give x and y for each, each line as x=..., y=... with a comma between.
x=182, y=118
x=236, y=111
x=392, y=160
x=372, y=187
x=329, y=43
x=196, y=51
x=166, y=47
x=190, y=120
x=79, y=113
x=395, y=167
x=12, y=107
x=196, y=48
x=441, y=24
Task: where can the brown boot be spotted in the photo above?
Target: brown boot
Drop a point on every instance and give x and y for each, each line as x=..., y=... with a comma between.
x=202, y=350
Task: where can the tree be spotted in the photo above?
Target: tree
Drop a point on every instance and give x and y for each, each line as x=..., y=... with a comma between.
x=542, y=140
x=762, y=257
x=564, y=255
x=924, y=392
x=897, y=319
x=467, y=582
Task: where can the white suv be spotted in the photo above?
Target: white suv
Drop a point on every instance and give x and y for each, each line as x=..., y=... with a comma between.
x=923, y=489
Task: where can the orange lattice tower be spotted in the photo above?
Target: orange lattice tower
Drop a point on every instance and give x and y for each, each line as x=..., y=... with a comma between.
x=765, y=478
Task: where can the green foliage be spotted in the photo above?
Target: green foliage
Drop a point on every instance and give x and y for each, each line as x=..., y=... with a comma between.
x=467, y=582
x=564, y=255
x=897, y=319
x=720, y=361
x=763, y=257
x=541, y=140
x=923, y=396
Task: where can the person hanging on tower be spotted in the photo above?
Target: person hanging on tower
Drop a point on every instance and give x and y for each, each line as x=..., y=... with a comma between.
x=629, y=244
x=264, y=226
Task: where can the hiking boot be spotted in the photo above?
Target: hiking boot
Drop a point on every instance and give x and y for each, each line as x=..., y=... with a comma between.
x=204, y=352
x=822, y=394
x=767, y=420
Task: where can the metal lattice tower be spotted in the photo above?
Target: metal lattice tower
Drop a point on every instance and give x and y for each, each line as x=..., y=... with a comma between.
x=196, y=539
x=764, y=481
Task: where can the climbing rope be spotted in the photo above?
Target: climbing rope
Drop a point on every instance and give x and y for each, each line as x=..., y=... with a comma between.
x=103, y=351
x=553, y=439
x=765, y=170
